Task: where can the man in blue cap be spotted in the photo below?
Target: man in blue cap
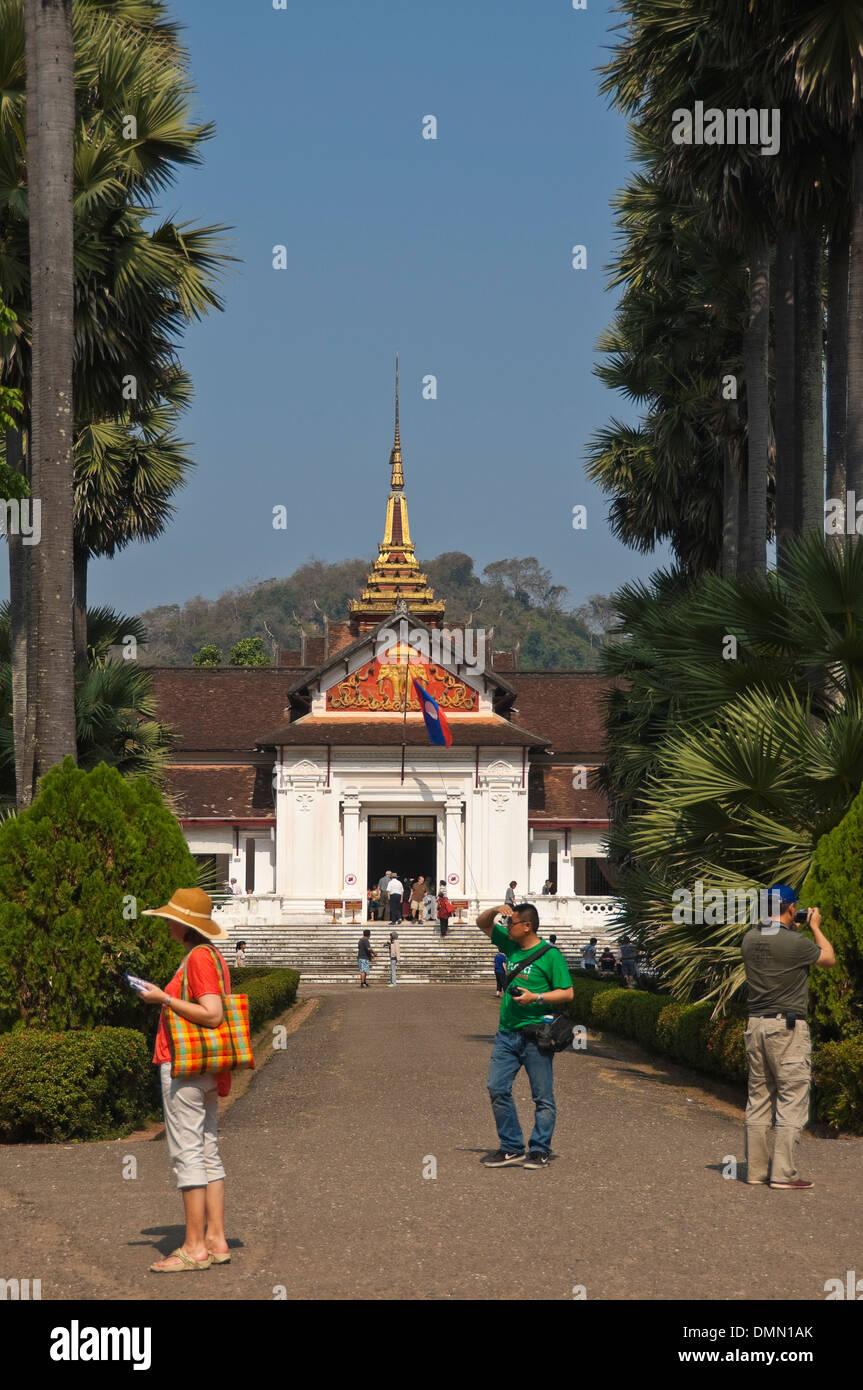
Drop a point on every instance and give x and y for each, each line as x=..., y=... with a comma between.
x=777, y=962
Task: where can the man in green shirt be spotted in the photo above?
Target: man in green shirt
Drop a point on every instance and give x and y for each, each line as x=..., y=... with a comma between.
x=777, y=962
x=540, y=988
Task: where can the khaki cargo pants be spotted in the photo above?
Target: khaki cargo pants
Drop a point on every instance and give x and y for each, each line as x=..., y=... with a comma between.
x=779, y=1082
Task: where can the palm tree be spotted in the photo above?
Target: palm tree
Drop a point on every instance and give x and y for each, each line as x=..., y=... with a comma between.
x=730, y=770
x=826, y=51
x=136, y=285
x=675, y=338
x=50, y=126
x=125, y=476
x=115, y=711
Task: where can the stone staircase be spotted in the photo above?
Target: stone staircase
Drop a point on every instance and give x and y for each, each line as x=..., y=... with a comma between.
x=328, y=954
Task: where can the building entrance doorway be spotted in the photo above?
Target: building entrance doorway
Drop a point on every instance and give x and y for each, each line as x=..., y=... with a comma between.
x=407, y=855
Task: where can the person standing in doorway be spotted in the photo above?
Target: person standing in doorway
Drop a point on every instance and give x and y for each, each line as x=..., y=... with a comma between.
x=395, y=891
x=538, y=989
x=383, y=901
x=365, y=956
x=777, y=960
x=547, y=887
x=418, y=892
x=393, y=944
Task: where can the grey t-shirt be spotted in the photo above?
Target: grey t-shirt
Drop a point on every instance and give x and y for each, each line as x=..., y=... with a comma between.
x=777, y=971
x=364, y=948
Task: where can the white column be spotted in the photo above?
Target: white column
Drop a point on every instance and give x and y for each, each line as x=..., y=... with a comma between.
x=566, y=875
x=351, y=860
x=454, y=848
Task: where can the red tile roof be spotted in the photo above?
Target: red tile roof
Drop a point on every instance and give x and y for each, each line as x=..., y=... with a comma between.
x=221, y=707
x=208, y=792
x=551, y=796
x=381, y=730
x=566, y=707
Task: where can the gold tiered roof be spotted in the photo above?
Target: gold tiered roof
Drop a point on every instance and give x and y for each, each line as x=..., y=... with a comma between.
x=396, y=575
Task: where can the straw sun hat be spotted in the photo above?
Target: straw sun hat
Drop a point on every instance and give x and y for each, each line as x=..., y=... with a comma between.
x=191, y=907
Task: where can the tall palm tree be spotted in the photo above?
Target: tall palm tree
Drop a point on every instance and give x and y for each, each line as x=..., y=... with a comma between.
x=50, y=138
x=710, y=52
x=675, y=338
x=730, y=770
x=125, y=476
x=136, y=285
x=826, y=51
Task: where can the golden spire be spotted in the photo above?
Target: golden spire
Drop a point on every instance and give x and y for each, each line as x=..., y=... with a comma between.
x=398, y=477
x=396, y=573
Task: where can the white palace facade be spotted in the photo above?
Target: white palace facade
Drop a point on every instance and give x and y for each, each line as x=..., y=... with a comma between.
x=306, y=780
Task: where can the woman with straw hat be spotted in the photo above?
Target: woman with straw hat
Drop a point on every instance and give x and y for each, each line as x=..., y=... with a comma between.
x=191, y=1103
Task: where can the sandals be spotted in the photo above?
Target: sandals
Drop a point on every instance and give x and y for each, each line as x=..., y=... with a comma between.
x=220, y=1259
x=186, y=1262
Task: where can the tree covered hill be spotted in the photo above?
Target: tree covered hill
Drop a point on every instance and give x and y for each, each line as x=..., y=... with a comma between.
x=514, y=597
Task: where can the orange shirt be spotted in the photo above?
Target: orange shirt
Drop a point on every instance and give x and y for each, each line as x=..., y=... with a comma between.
x=201, y=978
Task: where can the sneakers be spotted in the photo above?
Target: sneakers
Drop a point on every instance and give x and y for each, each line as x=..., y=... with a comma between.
x=797, y=1185
x=536, y=1159
x=501, y=1159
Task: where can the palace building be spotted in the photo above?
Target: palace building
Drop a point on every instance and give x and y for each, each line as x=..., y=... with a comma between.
x=306, y=780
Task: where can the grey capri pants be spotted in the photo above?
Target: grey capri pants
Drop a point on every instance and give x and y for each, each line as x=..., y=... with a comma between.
x=191, y=1105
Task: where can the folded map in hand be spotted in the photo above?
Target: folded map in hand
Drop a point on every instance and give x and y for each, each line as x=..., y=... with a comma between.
x=137, y=984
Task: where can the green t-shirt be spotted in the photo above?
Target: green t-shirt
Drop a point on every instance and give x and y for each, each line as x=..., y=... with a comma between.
x=549, y=972
x=777, y=971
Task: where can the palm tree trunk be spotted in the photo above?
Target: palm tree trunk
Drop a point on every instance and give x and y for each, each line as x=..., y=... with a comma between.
x=731, y=491
x=784, y=327
x=854, y=460
x=755, y=345
x=20, y=639
x=80, y=562
x=811, y=358
x=50, y=134
x=837, y=365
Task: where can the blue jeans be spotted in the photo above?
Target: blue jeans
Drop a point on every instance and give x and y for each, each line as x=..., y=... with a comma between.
x=393, y=967
x=511, y=1052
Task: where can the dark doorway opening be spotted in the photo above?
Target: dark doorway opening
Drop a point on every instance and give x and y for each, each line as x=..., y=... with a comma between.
x=407, y=856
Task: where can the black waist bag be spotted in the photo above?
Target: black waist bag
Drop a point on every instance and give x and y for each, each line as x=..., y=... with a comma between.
x=549, y=1037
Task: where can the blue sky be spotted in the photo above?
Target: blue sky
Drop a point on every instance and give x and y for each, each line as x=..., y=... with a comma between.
x=455, y=251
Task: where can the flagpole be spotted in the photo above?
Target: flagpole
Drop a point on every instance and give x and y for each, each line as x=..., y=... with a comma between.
x=405, y=717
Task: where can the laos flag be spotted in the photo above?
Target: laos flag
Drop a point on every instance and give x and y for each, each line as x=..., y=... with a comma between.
x=437, y=727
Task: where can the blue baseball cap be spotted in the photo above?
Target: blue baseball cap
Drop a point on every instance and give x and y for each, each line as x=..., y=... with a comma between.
x=786, y=894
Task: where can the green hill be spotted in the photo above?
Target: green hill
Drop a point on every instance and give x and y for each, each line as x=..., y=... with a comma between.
x=516, y=598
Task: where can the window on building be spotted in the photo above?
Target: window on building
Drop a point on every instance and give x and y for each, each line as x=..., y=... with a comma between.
x=250, y=866
x=552, y=863
x=213, y=872
x=598, y=883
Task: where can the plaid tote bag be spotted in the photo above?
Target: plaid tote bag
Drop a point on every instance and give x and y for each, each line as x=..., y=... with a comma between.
x=196, y=1050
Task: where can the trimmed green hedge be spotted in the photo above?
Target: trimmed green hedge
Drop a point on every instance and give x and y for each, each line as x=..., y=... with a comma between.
x=837, y=1070
x=270, y=992
x=99, y=1083
x=96, y=1083
x=682, y=1031
x=686, y=1033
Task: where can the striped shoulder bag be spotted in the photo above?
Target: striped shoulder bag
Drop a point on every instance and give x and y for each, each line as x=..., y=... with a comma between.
x=197, y=1050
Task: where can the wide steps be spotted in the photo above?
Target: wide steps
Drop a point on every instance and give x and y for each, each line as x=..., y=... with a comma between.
x=328, y=954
